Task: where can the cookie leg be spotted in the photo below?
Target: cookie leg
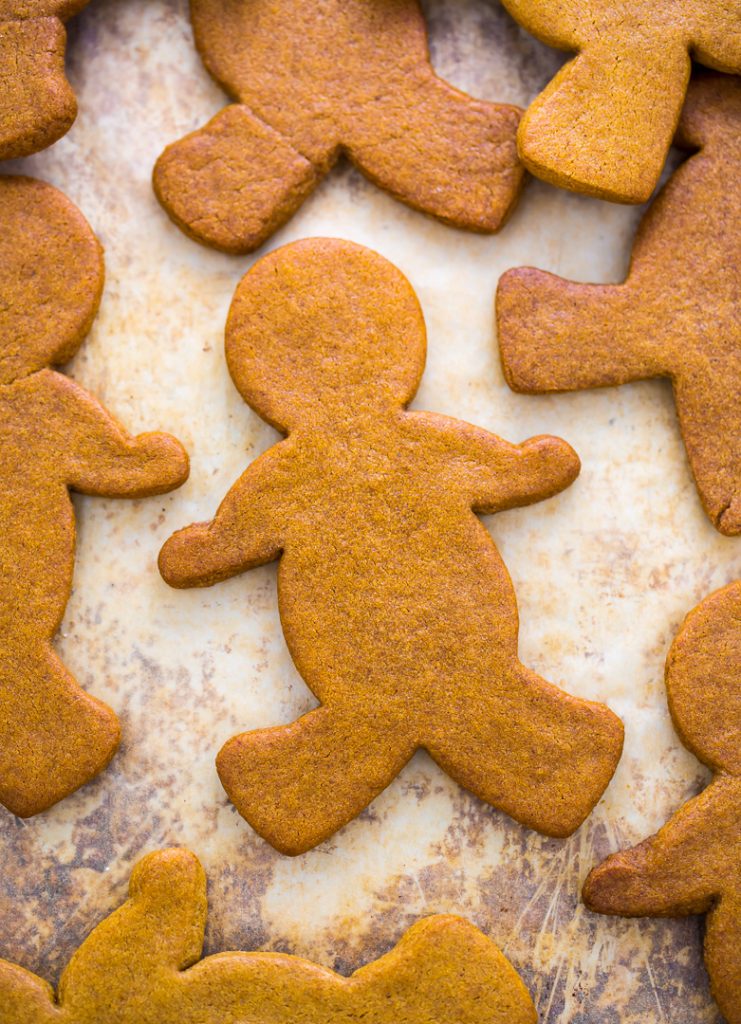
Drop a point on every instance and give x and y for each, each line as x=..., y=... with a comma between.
x=556, y=335
x=440, y=151
x=298, y=784
x=528, y=749
x=26, y=998
x=234, y=182
x=722, y=956
x=54, y=737
x=605, y=123
x=704, y=402
x=37, y=105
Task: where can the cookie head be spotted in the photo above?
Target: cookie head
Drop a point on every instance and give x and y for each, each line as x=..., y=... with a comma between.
x=712, y=111
x=51, y=277
x=703, y=680
x=324, y=328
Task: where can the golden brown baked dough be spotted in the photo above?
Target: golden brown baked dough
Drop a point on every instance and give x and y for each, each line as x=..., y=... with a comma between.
x=678, y=315
x=395, y=604
x=140, y=966
x=605, y=122
x=54, y=436
x=693, y=865
x=37, y=105
x=314, y=78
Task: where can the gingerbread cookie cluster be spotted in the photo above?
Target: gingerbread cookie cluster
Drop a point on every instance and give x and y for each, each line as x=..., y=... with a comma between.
x=396, y=605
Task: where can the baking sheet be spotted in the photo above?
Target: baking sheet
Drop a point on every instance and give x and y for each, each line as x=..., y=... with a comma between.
x=604, y=573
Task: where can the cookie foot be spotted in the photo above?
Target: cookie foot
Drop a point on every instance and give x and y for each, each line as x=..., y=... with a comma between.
x=234, y=182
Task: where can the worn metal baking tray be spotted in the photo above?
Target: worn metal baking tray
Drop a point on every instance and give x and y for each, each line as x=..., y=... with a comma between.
x=604, y=572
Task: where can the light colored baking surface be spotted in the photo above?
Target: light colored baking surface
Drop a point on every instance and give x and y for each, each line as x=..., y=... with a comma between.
x=604, y=573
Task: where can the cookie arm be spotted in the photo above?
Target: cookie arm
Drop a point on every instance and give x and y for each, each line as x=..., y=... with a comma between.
x=511, y=475
x=24, y=998
x=100, y=457
x=558, y=335
x=243, y=534
x=131, y=958
x=673, y=873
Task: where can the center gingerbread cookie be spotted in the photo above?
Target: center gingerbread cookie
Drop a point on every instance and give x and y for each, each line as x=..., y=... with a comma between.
x=314, y=79
x=396, y=606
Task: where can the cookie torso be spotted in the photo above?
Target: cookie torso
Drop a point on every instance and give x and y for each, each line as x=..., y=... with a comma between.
x=36, y=516
x=378, y=546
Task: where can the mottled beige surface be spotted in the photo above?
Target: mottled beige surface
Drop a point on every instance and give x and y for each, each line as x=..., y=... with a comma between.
x=604, y=573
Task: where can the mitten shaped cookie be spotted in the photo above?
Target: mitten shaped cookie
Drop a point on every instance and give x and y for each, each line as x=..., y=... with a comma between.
x=395, y=604
x=37, y=105
x=693, y=865
x=54, y=436
x=140, y=966
x=678, y=315
x=313, y=79
x=605, y=123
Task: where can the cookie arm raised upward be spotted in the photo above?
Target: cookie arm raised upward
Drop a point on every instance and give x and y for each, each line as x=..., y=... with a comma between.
x=99, y=456
x=245, y=532
x=559, y=335
x=675, y=872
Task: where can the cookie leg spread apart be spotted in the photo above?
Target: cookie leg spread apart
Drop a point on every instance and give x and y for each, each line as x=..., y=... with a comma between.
x=314, y=81
x=140, y=966
x=723, y=955
x=298, y=784
x=233, y=183
x=37, y=105
x=519, y=743
x=76, y=738
x=527, y=748
x=440, y=152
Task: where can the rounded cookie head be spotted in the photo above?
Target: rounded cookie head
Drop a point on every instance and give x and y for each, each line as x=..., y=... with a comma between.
x=51, y=277
x=712, y=111
x=703, y=680
x=324, y=327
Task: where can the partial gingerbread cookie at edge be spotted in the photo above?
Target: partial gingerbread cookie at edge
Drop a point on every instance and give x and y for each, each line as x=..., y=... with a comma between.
x=54, y=436
x=605, y=122
x=313, y=80
x=141, y=966
x=37, y=104
x=677, y=315
x=693, y=865
x=395, y=604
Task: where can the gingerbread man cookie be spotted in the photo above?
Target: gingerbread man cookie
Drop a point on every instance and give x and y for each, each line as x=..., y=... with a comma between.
x=140, y=966
x=395, y=604
x=678, y=314
x=693, y=865
x=54, y=436
x=37, y=105
x=317, y=78
x=605, y=123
